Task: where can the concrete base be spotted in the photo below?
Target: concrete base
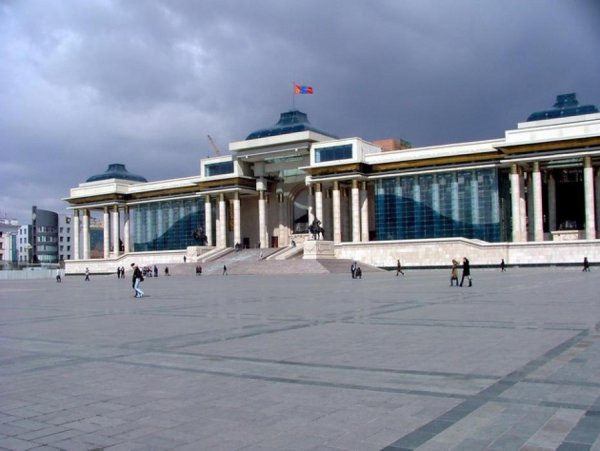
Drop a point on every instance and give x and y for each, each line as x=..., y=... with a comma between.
x=440, y=252
x=318, y=249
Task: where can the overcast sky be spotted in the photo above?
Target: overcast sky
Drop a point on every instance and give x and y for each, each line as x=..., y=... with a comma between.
x=85, y=83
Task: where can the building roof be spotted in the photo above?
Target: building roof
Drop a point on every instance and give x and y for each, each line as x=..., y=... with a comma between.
x=289, y=122
x=566, y=105
x=117, y=171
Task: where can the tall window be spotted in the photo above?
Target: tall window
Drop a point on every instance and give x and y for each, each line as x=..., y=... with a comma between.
x=168, y=225
x=455, y=204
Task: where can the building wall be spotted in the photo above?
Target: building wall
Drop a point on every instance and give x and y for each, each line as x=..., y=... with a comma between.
x=440, y=252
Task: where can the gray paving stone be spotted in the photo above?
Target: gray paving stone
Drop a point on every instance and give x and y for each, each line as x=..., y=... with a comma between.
x=303, y=362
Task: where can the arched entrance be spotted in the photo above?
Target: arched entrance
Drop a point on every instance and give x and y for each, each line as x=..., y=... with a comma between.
x=300, y=203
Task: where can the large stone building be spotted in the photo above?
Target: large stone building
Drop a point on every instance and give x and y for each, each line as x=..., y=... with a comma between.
x=530, y=197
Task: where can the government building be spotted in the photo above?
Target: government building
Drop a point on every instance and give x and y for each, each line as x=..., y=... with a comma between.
x=531, y=197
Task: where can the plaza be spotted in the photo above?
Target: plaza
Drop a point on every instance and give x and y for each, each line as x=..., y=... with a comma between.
x=303, y=362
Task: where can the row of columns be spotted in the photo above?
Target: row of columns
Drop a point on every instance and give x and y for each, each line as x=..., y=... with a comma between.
x=112, y=222
x=520, y=205
x=221, y=220
x=359, y=215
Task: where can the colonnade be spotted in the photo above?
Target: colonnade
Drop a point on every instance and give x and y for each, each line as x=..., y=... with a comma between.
x=527, y=201
x=339, y=216
x=111, y=232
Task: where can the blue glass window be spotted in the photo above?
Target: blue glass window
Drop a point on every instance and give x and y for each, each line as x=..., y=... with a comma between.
x=167, y=225
x=224, y=167
x=324, y=154
x=458, y=204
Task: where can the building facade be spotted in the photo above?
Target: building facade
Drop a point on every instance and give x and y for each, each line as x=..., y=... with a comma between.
x=9, y=229
x=539, y=186
x=47, y=240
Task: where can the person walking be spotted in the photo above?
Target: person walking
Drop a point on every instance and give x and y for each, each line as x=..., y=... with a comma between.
x=353, y=270
x=87, y=274
x=586, y=265
x=466, y=272
x=399, y=269
x=136, y=279
x=224, y=270
x=502, y=266
x=454, y=273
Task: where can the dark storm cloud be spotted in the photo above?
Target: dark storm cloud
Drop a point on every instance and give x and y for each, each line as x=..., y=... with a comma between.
x=87, y=83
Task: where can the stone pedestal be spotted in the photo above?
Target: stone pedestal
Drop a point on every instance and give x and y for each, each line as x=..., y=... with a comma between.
x=317, y=249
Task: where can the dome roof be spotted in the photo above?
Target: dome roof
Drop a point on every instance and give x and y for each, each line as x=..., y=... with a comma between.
x=566, y=105
x=289, y=122
x=117, y=171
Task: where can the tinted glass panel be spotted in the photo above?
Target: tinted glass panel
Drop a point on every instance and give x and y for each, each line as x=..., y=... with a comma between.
x=167, y=225
x=225, y=167
x=458, y=204
x=333, y=153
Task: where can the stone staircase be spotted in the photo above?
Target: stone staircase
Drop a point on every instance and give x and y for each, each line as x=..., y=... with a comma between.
x=249, y=262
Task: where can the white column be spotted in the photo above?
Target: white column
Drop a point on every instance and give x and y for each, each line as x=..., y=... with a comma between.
x=126, y=230
x=337, y=223
x=262, y=218
x=106, y=233
x=208, y=220
x=597, y=201
x=515, y=199
x=538, y=212
x=551, y=202
x=86, y=234
x=115, y=230
x=523, y=209
x=281, y=228
x=355, y=212
x=319, y=204
x=588, y=188
x=222, y=221
x=311, y=204
x=364, y=213
x=76, y=250
x=237, y=220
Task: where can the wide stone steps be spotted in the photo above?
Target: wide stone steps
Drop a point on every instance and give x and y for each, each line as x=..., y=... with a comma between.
x=250, y=262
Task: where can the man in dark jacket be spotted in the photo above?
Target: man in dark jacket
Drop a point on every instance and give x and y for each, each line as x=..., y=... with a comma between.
x=466, y=272
x=136, y=280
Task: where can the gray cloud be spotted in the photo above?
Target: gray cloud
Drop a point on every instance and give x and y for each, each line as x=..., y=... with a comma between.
x=84, y=84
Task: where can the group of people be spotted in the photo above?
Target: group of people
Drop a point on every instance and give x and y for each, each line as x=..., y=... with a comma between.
x=466, y=272
x=121, y=272
x=356, y=271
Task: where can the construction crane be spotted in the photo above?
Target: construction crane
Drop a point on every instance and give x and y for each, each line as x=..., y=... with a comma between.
x=213, y=144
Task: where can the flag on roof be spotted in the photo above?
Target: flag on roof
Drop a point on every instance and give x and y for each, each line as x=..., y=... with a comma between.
x=301, y=89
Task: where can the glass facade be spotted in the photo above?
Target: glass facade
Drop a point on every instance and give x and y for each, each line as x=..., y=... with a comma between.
x=333, y=153
x=167, y=225
x=224, y=167
x=454, y=204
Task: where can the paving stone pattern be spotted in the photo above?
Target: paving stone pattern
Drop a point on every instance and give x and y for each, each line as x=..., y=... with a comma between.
x=303, y=362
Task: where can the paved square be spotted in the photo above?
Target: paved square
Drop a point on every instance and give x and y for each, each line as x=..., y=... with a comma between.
x=303, y=362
